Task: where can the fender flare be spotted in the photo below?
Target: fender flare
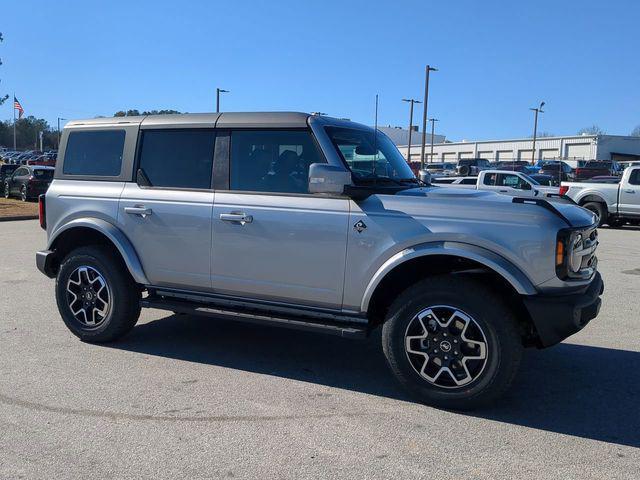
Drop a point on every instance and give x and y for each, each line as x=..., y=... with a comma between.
x=115, y=236
x=503, y=267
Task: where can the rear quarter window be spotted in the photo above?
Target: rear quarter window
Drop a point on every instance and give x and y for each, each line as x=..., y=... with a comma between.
x=95, y=153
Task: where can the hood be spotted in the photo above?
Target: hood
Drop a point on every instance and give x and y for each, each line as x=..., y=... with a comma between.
x=487, y=205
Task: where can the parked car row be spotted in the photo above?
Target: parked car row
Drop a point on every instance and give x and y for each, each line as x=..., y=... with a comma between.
x=552, y=172
x=29, y=157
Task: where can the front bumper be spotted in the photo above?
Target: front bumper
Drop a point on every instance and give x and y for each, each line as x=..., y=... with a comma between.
x=556, y=317
x=46, y=263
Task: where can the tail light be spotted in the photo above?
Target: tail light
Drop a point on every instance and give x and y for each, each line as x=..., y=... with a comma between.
x=42, y=212
x=563, y=189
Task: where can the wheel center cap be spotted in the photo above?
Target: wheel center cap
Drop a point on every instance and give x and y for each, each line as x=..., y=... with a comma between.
x=445, y=346
x=90, y=296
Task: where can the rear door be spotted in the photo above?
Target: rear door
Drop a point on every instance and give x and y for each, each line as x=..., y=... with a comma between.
x=18, y=179
x=630, y=195
x=272, y=240
x=166, y=212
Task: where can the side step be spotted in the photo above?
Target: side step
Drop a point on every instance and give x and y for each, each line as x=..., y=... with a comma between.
x=350, y=330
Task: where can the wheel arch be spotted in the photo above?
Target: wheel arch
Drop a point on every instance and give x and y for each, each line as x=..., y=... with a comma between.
x=592, y=197
x=89, y=231
x=413, y=264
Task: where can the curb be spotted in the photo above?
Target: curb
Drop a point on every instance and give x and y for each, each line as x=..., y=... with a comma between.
x=19, y=217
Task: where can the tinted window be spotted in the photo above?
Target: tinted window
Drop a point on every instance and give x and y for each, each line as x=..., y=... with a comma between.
x=469, y=181
x=512, y=181
x=21, y=172
x=272, y=160
x=96, y=153
x=177, y=158
x=8, y=169
x=634, y=178
x=490, y=179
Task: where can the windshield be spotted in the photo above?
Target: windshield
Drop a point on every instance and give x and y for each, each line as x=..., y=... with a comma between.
x=369, y=156
x=43, y=174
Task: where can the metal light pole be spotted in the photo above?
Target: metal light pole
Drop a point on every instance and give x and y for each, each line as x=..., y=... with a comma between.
x=433, y=126
x=428, y=69
x=411, y=102
x=59, y=118
x=218, y=92
x=535, y=131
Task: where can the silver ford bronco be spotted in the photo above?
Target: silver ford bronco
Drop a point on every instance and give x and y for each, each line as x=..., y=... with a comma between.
x=315, y=223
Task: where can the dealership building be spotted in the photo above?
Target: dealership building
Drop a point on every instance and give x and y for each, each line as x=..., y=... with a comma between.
x=569, y=148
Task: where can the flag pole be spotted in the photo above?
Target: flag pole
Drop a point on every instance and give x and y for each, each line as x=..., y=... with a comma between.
x=14, y=121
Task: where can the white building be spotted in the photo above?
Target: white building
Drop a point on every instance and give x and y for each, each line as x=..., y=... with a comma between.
x=400, y=136
x=570, y=148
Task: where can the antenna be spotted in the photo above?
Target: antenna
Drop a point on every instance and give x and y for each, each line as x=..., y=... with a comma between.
x=375, y=140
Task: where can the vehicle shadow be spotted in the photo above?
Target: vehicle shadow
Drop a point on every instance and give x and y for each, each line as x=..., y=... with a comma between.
x=578, y=390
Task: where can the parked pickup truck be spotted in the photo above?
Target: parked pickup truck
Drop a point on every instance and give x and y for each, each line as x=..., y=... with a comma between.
x=613, y=203
x=315, y=223
x=516, y=184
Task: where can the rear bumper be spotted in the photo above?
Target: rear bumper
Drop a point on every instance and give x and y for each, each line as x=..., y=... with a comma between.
x=556, y=317
x=46, y=263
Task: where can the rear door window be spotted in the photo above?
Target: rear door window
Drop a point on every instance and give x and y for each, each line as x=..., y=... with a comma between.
x=94, y=153
x=177, y=158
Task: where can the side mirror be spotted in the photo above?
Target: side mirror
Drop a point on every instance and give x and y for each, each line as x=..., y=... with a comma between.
x=325, y=178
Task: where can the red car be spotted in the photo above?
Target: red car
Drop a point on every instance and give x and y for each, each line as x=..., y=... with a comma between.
x=44, y=161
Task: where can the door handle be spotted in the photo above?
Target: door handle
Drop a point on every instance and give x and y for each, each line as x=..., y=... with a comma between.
x=629, y=191
x=140, y=210
x=504, y=191
x=240, y=218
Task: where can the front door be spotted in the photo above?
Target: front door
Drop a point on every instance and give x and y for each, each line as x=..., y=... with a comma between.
x=272, y=240
x=166, y=213
x=630, y=195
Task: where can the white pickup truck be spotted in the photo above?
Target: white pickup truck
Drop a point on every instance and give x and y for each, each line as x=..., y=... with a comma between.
x=613, y=203
x=506, y=182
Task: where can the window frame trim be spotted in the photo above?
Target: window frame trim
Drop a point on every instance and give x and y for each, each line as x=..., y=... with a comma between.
x=81, y=176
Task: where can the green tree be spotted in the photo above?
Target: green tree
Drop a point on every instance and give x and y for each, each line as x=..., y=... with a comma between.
x=28, y=133
x=5, y=97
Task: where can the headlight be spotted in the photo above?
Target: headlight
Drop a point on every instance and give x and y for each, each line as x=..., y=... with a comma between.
x=575, y=253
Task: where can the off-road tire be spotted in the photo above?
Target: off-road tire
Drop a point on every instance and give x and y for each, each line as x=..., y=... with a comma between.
x=124, y=294
x=490, y=313
x=600, y=209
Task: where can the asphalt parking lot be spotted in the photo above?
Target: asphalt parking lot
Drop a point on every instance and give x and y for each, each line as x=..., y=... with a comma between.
x=185, y=397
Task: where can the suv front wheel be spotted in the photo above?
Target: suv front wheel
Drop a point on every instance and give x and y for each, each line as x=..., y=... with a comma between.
x=97, y=298
x=452, y=350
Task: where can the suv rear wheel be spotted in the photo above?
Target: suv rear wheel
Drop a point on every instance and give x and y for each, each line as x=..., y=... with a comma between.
x=6, y=190
x=451, y=350
x=97, y=298
x=23, y=193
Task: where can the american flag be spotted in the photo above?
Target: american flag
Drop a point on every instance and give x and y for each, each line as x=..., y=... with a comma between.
x=17, y=106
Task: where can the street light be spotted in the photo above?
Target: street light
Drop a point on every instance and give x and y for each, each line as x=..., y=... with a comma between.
x=535, y=131
x=433, y=123
x=59, y=118
x=428, y=69
x=218, y=92
x=411, y=102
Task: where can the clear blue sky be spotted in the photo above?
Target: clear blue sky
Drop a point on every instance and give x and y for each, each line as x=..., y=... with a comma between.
x=78, y=59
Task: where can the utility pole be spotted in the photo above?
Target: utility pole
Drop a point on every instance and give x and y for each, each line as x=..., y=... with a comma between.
x=218, y=92
x=428, y=69
x=411, y=102
x=433, y=123
x=535, y=131
x=59, y=118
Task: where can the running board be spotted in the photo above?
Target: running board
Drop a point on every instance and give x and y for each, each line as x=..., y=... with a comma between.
x=348, y=330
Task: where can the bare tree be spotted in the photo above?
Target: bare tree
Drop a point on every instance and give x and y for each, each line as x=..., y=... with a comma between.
x=592, y=130
x=5, y=97
x=635, y=132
